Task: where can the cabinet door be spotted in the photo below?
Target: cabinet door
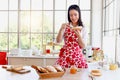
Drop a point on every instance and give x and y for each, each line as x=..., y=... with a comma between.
x=50, y=61
x=16, y=61
x=34, y=61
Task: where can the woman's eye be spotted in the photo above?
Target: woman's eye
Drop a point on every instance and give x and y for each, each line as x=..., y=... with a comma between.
x=73, y=15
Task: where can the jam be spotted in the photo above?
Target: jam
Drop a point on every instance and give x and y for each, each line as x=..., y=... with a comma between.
x=73, y=70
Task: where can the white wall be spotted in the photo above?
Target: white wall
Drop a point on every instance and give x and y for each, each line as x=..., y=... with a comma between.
x=118, y=36
x=96, y=23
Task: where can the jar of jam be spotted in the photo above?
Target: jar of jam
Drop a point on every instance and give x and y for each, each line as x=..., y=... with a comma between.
x=73, y=69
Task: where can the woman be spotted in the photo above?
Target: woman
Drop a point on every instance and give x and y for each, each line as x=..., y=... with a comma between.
x=74, y=39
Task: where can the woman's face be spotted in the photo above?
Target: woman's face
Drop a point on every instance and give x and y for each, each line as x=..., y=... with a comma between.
x=74, y=16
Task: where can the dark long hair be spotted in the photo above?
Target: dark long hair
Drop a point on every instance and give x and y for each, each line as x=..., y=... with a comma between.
x=75, y=7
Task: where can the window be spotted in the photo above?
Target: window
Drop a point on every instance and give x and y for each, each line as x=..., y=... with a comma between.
x=27, y=23
x=111, y=28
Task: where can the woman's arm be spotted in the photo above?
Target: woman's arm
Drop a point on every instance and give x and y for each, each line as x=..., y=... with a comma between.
x=61, y=32
x=81, y=42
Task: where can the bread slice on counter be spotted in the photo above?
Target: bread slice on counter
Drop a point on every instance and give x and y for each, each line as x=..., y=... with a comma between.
x=96, y=72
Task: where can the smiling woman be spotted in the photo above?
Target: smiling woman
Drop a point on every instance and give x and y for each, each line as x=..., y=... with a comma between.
x=74, y=40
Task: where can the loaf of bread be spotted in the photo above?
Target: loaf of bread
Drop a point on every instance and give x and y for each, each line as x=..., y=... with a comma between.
x=35, y=67
x=58, y=68
x=50, y=69
x=39, y=69
x=42, y=70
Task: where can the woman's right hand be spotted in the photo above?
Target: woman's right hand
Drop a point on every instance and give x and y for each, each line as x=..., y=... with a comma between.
x=61, y=32
x=64, y=25
x=62, y=29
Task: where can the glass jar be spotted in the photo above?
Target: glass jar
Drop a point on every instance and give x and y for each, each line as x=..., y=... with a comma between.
x=73, y=69
x=113, y=66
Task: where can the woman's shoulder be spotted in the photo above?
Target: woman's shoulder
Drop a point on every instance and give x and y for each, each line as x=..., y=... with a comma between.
x=83, y=27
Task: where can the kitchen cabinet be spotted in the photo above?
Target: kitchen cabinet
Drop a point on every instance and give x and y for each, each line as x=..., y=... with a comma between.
x=16, y=61
x=24, y=61
x=50, y=61
x=39, y=61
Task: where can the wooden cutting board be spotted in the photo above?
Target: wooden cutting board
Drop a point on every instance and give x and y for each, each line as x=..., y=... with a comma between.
x=22, y=71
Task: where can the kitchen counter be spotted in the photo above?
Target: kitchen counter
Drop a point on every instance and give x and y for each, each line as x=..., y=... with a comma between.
x=83, y=74
x=6, y=75
x=50, y=60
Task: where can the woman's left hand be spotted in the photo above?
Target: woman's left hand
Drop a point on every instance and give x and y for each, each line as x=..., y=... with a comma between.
x=77, y=32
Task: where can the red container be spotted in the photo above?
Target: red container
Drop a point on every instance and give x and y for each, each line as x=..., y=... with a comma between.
x=3, y=58
x=48, y=51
